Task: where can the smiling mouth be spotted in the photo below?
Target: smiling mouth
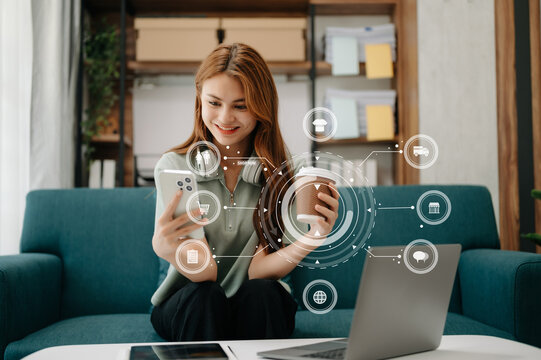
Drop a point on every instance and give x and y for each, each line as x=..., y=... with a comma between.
x=226, y=130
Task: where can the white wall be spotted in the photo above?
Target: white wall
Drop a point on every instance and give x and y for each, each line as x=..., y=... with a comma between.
x=163, y=110
x=457, y=91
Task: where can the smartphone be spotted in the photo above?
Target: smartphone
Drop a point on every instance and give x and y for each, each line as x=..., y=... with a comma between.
x=181, y=351
x=170, y=181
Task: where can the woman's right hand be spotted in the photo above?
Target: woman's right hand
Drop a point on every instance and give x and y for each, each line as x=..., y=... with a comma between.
x=168, y=234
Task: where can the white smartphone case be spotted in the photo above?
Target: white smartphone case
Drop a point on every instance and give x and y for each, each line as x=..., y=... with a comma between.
x=169, y=182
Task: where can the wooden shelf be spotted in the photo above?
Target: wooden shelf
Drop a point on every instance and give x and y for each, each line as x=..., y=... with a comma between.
x=354, y=7
x=203, y=8
x=356, y=141
x=163, y=67
x=244, y=8
x=190, y=67
x=403, y=13
x=110, y=139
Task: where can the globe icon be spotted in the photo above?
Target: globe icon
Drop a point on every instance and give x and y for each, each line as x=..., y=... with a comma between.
x=320, y=297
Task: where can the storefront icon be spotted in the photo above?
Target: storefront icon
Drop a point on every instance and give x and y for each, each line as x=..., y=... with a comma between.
x=434, y=208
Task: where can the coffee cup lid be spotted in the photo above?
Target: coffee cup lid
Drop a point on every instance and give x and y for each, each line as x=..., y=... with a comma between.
x=319, y=172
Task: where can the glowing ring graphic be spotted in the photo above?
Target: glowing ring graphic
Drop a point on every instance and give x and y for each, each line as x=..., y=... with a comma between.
x=307, y=303
x=200, y=244
x=406, y=258
x=353, y=231
x=408, y=144
x=211, y=147
x=306, y=120
x=447, y=212
x=190, y=200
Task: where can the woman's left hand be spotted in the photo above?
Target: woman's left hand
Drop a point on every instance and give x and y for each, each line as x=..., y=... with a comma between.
x=329, y=212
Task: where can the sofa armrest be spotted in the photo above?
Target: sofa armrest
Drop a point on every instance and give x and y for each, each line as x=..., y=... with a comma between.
x=29, y=294
x=503, y=289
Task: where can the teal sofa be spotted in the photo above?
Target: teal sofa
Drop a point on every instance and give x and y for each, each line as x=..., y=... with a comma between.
x=86, y=271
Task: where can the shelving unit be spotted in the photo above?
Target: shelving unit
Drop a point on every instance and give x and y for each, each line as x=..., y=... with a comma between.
x=403, y=15
x=186, y=68
x=110, y=139
x=402, y=12
x=359, y=141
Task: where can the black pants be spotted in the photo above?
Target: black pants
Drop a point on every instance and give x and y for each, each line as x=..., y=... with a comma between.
x=261, y=309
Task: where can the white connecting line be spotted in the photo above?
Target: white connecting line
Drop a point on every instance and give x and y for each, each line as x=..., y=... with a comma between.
x=238, y=208
x=217, y=256
x=397, y=208
x=381, y=151
x=386, y=256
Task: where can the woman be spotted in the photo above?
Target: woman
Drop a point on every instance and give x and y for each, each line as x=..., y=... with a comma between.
x=237, y=296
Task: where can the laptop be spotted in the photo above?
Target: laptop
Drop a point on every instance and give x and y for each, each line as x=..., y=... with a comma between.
x=398, y=311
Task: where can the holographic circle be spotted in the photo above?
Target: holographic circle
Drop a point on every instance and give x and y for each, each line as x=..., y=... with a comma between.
x=322, y=117
x=423, y=216
x=200, y=199
x=412, y=267
x=320, y=296
x=203, y=158
x=190, y=257
x=419, y=151
x=356, y=218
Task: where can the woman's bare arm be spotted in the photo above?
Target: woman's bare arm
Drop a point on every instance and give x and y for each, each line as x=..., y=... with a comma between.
x=280, y=263
x=170, y=233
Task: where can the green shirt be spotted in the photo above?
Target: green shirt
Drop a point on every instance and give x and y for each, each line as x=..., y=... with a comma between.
x=231, y=234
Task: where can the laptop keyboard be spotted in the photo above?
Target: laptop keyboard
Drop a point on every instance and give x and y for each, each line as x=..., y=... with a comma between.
x=329, y=354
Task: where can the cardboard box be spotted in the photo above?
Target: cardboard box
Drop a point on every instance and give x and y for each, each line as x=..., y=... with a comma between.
x=175, y=39
x=276, y=39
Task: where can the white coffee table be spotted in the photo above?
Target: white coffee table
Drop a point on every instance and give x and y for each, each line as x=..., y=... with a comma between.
x=464, y=347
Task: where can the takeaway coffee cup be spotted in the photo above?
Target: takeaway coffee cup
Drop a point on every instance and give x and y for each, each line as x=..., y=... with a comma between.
x=309, y=182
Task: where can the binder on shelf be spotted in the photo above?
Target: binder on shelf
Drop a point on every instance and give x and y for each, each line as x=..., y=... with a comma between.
x=102, y=174
x=379, y=62
x=345, y=56
x=379, y=34
x=362, y=99
x=347, y=123
x=94, y=175
x=109, y=170
x=380, y=123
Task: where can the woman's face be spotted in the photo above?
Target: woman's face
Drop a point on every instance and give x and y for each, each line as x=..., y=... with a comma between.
x=224, y=112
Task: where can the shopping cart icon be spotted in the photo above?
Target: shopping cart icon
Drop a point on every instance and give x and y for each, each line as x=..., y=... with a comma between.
x=204, y=208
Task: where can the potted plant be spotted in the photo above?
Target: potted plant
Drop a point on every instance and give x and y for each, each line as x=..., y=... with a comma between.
x=101, y=54
x=536, y=238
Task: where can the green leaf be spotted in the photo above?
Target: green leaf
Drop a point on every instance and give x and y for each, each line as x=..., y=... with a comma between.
x=536, y=194
x=101, y=54
x=536, y=238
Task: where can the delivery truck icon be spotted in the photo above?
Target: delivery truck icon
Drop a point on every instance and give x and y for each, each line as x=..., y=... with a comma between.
x=420, y=150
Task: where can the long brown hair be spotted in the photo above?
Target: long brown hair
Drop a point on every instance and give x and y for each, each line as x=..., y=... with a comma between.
x=245, y=64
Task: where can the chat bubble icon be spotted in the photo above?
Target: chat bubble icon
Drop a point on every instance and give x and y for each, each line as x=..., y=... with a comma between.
x=420, y=255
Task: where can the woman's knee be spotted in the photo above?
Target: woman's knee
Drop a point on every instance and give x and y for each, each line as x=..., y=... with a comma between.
x=206, y=292
x=264, y=309
x=205, y=287
x=261, y=288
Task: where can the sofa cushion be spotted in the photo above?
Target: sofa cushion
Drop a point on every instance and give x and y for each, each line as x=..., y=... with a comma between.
x=457, y=324
x=337, y=323
x=95, y=329
x=104, y=238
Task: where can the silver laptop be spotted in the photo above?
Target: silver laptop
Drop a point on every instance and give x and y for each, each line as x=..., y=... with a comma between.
x=398, y=311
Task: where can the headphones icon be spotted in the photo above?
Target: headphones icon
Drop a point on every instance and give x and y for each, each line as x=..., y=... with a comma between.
x=206, y=165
